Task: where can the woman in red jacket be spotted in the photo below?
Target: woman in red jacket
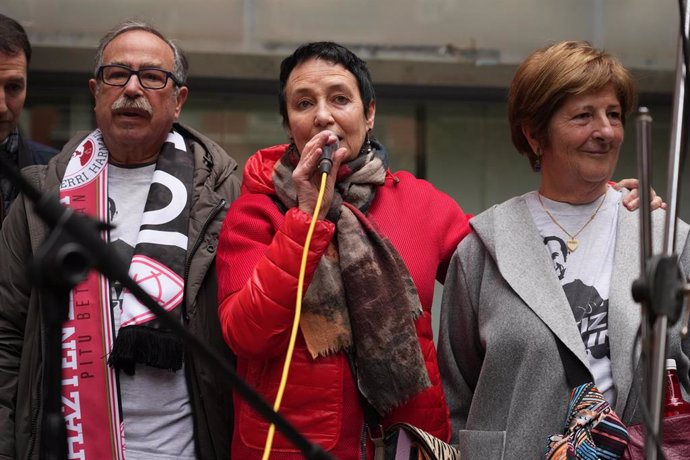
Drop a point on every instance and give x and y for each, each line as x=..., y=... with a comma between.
x=380, y=242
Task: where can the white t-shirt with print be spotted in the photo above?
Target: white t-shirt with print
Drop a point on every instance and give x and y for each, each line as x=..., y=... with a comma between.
x=585, y=273
x=156, y=408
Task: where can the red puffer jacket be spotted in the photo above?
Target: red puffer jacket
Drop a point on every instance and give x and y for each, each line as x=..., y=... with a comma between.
x=258, y=264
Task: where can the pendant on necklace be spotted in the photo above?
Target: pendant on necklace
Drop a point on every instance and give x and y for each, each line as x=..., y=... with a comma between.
x=572, y=244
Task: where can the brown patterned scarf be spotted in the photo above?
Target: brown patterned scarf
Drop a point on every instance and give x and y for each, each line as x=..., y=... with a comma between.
x=362, y=295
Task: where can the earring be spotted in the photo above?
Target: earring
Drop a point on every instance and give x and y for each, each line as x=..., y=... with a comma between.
x=537, y=162
x=366, y=147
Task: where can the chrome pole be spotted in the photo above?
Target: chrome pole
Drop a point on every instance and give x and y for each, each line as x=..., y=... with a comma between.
x=658, y=318
x=643, y=125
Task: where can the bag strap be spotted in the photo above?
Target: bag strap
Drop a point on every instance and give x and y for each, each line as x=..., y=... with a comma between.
x=372, y=419
x=576, y=373
x=432, y=447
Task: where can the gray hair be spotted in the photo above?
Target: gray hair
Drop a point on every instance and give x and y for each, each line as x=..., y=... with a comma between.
x=180, y=65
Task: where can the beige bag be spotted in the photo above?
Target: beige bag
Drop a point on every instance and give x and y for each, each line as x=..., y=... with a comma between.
x=406, y=442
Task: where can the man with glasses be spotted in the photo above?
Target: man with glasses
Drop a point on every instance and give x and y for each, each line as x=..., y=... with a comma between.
x=165, y=189
x=15, y=54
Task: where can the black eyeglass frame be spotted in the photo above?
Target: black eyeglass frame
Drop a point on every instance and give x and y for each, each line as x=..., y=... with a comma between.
x=168, y=75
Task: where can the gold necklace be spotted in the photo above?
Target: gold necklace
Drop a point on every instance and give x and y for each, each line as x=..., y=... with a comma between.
x=572, y=243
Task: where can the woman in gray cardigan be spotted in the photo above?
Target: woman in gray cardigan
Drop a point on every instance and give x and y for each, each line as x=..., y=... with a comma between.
x=547, y=276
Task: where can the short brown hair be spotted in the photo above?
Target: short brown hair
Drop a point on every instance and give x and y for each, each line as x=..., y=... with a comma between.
x=549, y=75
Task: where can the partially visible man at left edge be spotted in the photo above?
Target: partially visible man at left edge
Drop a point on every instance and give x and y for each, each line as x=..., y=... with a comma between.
x=15, y=54
x=165, y=189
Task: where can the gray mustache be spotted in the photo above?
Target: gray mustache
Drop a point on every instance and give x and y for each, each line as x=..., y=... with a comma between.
x=126, y=103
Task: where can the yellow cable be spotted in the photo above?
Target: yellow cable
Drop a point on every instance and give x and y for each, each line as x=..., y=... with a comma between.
x=295, y=323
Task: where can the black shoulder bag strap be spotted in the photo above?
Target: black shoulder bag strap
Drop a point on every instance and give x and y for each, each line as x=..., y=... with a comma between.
x=575, y=372
x=372, y=419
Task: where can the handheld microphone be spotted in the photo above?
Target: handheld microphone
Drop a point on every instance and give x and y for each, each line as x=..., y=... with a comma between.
x=326, y=158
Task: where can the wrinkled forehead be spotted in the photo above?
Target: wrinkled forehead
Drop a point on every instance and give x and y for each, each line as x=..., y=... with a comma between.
x=14, y=64
x=320, y=74
x=139, y=48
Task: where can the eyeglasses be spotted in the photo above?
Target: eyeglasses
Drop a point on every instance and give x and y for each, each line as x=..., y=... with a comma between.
x=149, y=77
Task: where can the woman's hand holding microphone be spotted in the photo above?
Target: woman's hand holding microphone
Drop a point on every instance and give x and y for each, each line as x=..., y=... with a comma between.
x=307, y=174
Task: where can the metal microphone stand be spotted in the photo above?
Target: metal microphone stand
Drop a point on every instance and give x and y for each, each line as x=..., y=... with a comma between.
x=58, y=266
x=73, y=248
x=661, y=288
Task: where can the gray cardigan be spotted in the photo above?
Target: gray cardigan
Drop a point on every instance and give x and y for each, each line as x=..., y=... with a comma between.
x=503, y=312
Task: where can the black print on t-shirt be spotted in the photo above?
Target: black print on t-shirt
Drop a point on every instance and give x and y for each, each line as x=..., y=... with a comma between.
x=591, y=316
x=124, y=251
x=112, y=209
x=559, y=254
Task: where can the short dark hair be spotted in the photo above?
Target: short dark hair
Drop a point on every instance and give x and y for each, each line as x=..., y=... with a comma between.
x=333, y=53
x=180, y=64
x=13, y=39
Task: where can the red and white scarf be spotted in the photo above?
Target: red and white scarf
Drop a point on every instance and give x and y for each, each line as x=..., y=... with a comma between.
x=90, y=393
